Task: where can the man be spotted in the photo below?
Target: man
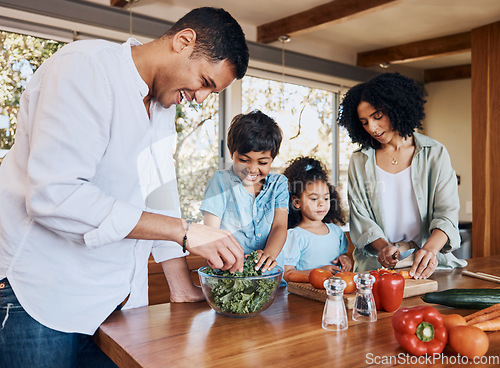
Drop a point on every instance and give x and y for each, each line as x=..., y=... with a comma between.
x=77, y=216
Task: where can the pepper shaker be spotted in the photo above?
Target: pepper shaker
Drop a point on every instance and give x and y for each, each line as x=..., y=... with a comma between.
x=364, y=305
x=334, y=313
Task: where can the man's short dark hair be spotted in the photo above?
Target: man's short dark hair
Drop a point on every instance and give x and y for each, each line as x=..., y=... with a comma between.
x=254, y=131
x=218, y=37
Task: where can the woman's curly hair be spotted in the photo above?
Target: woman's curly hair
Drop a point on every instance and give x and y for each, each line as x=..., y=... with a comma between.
x=300, y=172
x=396, y=96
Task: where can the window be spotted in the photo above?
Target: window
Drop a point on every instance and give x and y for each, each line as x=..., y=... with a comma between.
x=306, y=112
x=20, y=56
x=196, y=153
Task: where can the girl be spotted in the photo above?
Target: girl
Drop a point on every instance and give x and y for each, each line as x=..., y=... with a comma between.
x=313, y=240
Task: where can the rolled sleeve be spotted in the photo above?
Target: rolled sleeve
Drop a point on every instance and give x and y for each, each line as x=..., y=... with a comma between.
x=165, y=250
x=451, y=231
x=117, y=225
x=364, y=229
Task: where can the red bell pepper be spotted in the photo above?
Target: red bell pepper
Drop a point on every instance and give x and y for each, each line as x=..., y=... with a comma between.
x=420, y=330
x=388, y=290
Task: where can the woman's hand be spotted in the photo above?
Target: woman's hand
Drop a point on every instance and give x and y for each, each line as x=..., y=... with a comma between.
x=425, y=262
x=424, y=265
x=386, y=256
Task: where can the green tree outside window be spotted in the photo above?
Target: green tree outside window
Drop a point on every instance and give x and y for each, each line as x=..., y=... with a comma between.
x=20, y=56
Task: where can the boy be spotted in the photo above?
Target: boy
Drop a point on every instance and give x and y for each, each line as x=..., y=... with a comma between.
x=247, y=199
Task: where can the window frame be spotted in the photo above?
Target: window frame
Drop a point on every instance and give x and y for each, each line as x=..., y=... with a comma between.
x=231, y=105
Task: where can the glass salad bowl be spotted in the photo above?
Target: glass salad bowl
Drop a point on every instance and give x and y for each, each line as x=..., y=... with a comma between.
x=239, y=296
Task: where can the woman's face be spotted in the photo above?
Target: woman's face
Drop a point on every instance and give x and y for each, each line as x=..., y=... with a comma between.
x=375, y=122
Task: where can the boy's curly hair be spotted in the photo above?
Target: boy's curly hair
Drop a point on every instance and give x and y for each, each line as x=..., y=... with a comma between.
x=300, y=172
x=395, y=95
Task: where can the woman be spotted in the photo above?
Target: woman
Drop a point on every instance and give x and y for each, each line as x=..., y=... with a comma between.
x=402, y=187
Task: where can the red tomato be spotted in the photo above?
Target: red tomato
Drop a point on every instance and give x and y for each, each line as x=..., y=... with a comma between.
x=348, y=277
x=318, y=276
x=469, y=341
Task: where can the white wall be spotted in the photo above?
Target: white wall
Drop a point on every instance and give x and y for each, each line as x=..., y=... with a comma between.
x=448, y=120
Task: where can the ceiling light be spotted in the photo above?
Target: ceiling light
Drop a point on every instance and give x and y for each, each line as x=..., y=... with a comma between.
x=284, y=38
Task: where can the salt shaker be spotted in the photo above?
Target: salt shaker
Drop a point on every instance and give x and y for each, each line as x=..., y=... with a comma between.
x=364, y=305
x=334, y=314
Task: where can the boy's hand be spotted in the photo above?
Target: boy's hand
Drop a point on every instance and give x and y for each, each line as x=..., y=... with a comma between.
x=266, y=262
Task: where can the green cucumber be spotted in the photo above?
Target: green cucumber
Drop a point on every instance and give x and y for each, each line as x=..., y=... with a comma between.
x=464, y=298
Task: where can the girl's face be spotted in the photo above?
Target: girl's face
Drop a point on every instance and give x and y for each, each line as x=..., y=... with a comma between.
x=375, y=122
x=314, y=203
x=252, y=167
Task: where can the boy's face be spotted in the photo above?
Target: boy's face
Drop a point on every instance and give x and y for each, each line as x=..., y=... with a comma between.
x=252, y=167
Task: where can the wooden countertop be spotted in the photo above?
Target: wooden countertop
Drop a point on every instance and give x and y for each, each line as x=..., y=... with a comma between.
x=289, y=334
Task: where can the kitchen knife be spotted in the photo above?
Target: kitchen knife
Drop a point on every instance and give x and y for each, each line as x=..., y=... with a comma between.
x=405, y=254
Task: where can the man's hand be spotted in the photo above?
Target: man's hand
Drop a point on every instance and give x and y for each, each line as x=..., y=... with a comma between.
x=219, y=247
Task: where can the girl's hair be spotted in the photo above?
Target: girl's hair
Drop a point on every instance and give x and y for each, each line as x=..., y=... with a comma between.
x=395, y=95
x=300, y=172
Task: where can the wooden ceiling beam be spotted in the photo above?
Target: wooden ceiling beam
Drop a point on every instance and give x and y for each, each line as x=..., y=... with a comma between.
x=447, y=73
x=418, y=50
x=315, y=18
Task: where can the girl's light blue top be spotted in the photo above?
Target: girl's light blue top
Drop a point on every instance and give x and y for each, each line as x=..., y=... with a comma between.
x=305, y=250
x=248, y=219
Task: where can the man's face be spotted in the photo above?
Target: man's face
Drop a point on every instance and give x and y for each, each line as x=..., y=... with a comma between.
x=191, y=80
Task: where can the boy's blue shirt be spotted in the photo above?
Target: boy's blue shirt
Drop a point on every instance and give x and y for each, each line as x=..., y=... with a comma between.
x=247, y=219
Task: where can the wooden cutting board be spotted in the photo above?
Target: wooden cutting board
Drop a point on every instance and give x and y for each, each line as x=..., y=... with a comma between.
x=412, y=287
